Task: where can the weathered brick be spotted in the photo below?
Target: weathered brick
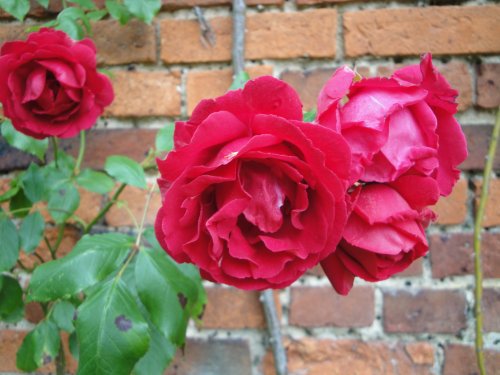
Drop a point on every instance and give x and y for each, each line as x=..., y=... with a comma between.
x=308, y=84
x=134, y=42
x=452, y=254
x=33, y=312
x=70, y=238
x=145, y=93
x=90, y=205
x=491, y=214
x=12, y=31
x=321, y=306
x=491, y=309
x=102, y=143
x=12, y=159
x=488, y=85
x=336, y=357
x=453, y=208
x=411, y=31
x=434, y=311
x=11, y=340
x=230, y=308
x=415, y=269
x=478, y=139
x=205, y=84
x=269, y=35
x=213, y=356
x=133, y=202
x=461, y=360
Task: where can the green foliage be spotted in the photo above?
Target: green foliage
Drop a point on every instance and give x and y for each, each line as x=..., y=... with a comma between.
x=44, y=3
x=91, y=261
x=11, y=300
x=97, y=182
x=145, y=10
x=239, y=81
x=18, y=8
x=310, y=116
x=23, y=142
x=125, y=170
x=74, y=22
x=31, y=231
x=33, y=183
x=63, y=202
x=118, y=11
x=63, y=314
x=39, y=347
x=85, y=4
x=160, y=354
x=20, y=204
x=165, y=138
x=9, y=245
x=112, y=333
x=13, y=189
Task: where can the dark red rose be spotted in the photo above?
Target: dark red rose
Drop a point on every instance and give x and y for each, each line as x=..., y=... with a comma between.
x=50, y=85
x=251, y=194
x=383, y=236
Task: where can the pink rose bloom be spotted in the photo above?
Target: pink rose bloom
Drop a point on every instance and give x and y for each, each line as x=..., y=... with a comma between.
x=396, y=126
x=383, y=236
x=251, y=194
x=50, y=85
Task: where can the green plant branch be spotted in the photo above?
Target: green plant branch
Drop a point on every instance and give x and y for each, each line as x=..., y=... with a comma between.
x=81, y=153
x=478, y=272
x=55, y=147
x=105, y=209
x=60, y=236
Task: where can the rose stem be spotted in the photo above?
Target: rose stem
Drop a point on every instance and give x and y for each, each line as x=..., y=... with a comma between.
x=238, y=51
x=478, y=272
x=81, y=153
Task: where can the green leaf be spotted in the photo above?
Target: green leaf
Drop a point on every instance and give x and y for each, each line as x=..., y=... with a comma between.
x=20, y=203
x=125, y=170
x=31, y=231
x=97, y=182
x=14, y=188
x=239, y=81
x=118, y=11
x=74, y=347
x=309, y=116
x=111, y=331
x=9, y=244
x=145, y=10
x=39, y=347
x=69, y=22
x=33, y=183
x=156, y=274
x=63, y=313
x=65, y=163
x=160, y=354
x=92, y=260
x=44, y=3
x=11, y=300
x=63, y=202
x=23, y=142
x=96, y=15
x=165, y=138
x=18, y=8
x=85, y=4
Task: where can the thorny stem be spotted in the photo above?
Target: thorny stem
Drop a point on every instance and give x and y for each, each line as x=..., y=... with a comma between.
x=478, y=272
x=105, y=209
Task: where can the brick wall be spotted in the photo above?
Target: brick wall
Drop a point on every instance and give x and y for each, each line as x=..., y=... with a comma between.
x=419, y=322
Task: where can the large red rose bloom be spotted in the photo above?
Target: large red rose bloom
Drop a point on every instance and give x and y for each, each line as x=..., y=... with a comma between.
x=251, y=194
x=50, y=85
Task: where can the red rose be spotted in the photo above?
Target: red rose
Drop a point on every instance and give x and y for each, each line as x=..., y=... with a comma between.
x=251, y=194
x=383, y=236
x=396, y=126
x=51, y=86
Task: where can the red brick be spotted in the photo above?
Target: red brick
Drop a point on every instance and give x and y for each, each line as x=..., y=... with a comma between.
x=214, y=356
x=452, y=254
x=205, y=84
x=308, y=84
x=453, y=208
x=230, y=308
x=411, y=31
x=491, y=309
x=133, y=87
x=321, y=306
x=478, y=139
x=269, y=35
x=461, y=360
x=434, y=311
x=33, y=312
x=102, y=143
x=488, y=85
x=12, y=31
x=338, y=357
x=11, y=340
x=133, y=201
x=90, y=205
x=134, y=42
x=492, y=214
